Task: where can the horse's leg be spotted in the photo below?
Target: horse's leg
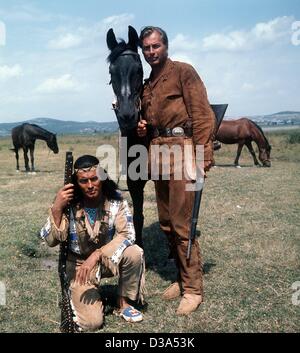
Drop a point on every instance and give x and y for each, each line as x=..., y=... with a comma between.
x=136, y=190
x=251, y=150
x=17, y=158
x=31, y=148
x=26, y=159
x=239, y=150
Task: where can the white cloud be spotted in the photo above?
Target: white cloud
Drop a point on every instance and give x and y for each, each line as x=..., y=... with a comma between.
x=183, y=48
x=71, y=36
x=25, y=13
x=65, y=41
x=273, y=30
x=231, y=41
x=118, y=20
x=262, y=33
x=183, y=57
x=64, y=83
x=7, y=72
x=119, y=23
x=182, y=42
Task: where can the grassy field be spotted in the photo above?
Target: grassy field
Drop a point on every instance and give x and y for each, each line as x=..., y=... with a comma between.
x=249, y=242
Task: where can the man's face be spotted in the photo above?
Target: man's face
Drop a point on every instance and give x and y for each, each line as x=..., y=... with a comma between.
x=89, y=184
x=154, y=50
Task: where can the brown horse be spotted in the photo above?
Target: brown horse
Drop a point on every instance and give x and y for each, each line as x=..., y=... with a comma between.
x=243, y=131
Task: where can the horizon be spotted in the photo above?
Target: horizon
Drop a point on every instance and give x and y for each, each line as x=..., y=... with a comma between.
x=115, y=121
x=53, y=54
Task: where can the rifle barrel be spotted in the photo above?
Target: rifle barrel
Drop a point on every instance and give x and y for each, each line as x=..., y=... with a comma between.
x=194, y=221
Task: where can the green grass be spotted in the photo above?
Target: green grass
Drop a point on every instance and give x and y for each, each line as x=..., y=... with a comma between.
x=249, y=242
x=294, y=138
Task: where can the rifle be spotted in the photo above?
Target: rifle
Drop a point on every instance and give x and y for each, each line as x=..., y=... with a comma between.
x=67, y=322
x=195, y=214
x=219, y=111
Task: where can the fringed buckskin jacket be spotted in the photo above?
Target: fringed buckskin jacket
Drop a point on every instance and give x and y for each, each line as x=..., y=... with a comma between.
x=178, y=98
x=113, y=232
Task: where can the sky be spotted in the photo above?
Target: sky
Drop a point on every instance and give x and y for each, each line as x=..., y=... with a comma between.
x=53, y=53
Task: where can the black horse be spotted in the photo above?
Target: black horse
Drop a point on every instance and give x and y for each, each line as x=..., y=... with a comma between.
x=126, y=72
x=24, y=136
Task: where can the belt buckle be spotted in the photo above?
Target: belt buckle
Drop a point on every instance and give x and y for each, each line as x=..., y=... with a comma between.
x=177, y=131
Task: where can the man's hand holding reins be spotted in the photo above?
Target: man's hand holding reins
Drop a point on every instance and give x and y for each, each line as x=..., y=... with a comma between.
x=142, y=128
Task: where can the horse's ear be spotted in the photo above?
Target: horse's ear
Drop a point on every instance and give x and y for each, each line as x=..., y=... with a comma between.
x=111, y=40
x=133, y=38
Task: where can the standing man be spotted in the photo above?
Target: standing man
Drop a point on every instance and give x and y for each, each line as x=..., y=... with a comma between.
x=176, y=111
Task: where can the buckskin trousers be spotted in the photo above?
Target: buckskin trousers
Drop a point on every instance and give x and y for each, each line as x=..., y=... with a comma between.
x=175, y=206
x=86, y=300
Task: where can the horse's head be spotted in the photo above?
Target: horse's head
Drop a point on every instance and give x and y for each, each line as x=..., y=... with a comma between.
x=126, y=73
x=52, y=143
x=265, y=156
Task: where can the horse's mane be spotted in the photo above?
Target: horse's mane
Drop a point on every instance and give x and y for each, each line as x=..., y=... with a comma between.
x=261, y=130
x=118, y=50
x=40, y=128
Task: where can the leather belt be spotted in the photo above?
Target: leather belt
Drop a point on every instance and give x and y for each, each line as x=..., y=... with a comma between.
x=177, y=131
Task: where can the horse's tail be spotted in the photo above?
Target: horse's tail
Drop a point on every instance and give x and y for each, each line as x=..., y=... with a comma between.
x=261, y=130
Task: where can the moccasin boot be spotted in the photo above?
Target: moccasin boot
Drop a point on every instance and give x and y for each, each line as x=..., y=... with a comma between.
x=189, y=303
x=172, y=292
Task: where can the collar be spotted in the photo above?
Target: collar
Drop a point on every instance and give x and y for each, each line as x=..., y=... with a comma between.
x=168, y=67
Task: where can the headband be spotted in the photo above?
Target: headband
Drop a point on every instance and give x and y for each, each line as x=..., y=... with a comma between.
x=88, y=169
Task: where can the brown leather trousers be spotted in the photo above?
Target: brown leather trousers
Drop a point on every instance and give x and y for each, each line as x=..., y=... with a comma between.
x=175, y=206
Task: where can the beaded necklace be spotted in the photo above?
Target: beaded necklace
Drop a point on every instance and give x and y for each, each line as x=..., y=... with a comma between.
x=92, y=214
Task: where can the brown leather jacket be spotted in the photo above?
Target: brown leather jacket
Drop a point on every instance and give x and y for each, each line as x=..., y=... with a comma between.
x=179, y=96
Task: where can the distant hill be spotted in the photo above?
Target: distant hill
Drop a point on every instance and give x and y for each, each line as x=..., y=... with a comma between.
x=283, y=118
x=286, y=113
x=64, y=127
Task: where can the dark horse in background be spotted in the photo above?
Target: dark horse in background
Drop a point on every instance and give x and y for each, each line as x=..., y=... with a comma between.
x=126, y=73
x=243, y=132
x=24, y=136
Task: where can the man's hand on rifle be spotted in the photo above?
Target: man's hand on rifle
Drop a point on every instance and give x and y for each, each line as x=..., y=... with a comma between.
x=63, y=198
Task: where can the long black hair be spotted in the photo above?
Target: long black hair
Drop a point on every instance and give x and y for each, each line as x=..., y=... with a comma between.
x=109, y=188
